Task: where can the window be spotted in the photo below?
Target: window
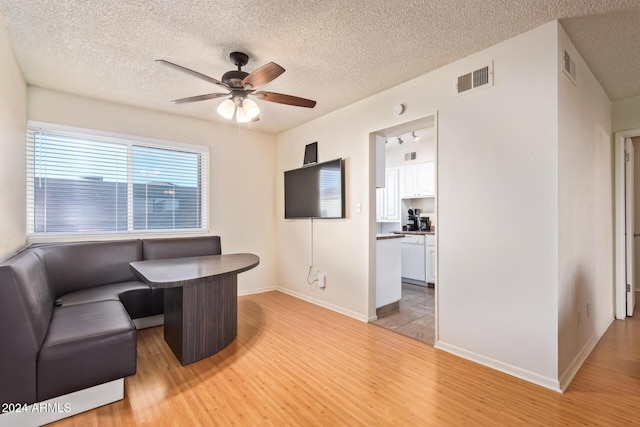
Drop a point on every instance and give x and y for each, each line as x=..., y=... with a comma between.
x=85, y=182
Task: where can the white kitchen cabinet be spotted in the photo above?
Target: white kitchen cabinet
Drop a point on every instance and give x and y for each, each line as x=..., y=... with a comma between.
x=388, y=271
x=380, y=160
x=388, y=199
x=430, y=252
x=418, y=180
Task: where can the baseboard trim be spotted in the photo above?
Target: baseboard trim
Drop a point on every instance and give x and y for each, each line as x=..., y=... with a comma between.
x=65, y=406
x=506, y=368
x=257, y=291
x=326, y=305
x=149, y=322
x=578, y=361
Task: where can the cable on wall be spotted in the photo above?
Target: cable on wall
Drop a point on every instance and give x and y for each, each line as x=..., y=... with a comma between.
x=314, y=282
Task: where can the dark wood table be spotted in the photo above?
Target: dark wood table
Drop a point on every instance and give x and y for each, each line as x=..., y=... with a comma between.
x=200, y=300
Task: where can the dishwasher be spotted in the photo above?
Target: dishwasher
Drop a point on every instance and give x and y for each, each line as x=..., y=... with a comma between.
x=414, y=258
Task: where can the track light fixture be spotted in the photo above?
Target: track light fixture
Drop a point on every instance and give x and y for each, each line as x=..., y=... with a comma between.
x=400, y=141
x=415, y=137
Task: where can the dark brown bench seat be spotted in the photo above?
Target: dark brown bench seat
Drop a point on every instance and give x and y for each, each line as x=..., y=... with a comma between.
x=66, y=315
x=87, y=344
x=134, y=295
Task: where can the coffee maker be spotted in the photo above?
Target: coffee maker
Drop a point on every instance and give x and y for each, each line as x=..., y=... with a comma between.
x=425, y=223
x=413, y=220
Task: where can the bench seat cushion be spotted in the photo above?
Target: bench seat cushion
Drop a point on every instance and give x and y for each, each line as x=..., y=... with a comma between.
x=86, y=345
x=135, y=296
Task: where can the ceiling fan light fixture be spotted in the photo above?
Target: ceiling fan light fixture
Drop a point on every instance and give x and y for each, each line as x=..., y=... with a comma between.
x=250, y=108
x=227, y=108
x=239, y=85
x=241, y=117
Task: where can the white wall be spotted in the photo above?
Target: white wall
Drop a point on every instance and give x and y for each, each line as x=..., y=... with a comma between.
x=626, y=114
x=13, y=110
x=636, y=207
x=241, y=181
x=497, y=197
x=585, y=215
x=497, y=221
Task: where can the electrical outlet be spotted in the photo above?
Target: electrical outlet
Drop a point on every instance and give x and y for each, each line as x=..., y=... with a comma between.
x=321, y=280
x=588, y=309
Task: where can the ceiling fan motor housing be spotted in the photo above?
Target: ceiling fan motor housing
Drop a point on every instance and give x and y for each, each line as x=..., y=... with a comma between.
x=234, y=78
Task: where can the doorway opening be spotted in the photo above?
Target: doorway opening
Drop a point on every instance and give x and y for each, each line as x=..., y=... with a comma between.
x=403, y=235
x=627, y=173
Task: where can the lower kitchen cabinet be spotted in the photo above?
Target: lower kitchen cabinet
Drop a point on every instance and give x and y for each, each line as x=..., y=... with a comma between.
x=388, y=271
x=430, y=252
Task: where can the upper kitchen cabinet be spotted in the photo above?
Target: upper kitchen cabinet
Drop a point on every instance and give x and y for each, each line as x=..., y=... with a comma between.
x=380, y=161
x=387, y=199
x=418, y=181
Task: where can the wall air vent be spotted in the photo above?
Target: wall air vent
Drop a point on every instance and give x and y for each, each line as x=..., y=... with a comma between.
x=409, y=156
x=569, y=67
x=477, y=79
x=464, y=83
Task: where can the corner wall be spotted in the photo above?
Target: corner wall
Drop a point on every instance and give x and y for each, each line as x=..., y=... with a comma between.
x=626, y=114
x=241, y=165
x=13, y=117
x=585, y=213
x=497, y=206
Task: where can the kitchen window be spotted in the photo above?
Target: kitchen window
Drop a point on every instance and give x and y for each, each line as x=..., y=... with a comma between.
x=85, y=182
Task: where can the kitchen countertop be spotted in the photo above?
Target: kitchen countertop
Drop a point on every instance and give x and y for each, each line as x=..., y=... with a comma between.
x=389, y=236
x=422, y=233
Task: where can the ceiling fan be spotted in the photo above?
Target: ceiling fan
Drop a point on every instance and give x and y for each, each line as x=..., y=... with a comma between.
x=241, y=85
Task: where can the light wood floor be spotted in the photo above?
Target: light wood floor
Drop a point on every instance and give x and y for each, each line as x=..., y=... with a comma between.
x=296, y=364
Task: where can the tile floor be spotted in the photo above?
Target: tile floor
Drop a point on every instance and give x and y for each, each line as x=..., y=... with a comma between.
x=415, y=317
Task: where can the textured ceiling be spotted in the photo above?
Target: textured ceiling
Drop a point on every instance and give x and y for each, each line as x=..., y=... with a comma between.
x=335, y=51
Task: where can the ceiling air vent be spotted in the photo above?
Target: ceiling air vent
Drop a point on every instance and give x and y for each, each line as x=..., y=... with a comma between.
x=409, y=156
x=569, y=67
x=477, y=79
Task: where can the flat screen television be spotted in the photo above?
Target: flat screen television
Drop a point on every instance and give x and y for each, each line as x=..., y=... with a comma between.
x=315, y=191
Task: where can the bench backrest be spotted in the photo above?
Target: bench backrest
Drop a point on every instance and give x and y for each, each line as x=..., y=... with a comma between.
x=179, y=248
x=26, y=304
x=74, y=266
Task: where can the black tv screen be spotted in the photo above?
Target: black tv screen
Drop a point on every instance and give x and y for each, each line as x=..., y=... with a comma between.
x=315, y=191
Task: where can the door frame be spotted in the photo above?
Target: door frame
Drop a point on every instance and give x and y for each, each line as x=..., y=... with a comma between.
x=388, y=131
x=620, y=294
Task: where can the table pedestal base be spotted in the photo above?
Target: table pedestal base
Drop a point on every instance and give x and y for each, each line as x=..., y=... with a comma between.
x=201, y=319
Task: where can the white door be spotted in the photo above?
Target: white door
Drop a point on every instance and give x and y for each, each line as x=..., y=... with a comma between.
x=629, y=226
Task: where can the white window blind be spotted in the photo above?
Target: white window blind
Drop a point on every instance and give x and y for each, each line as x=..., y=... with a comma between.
x=79, y=182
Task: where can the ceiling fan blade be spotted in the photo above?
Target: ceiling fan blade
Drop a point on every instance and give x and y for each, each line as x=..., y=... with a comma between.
x=285, y=99
x=193, y=73
x=199, y=98
x=263, y=75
